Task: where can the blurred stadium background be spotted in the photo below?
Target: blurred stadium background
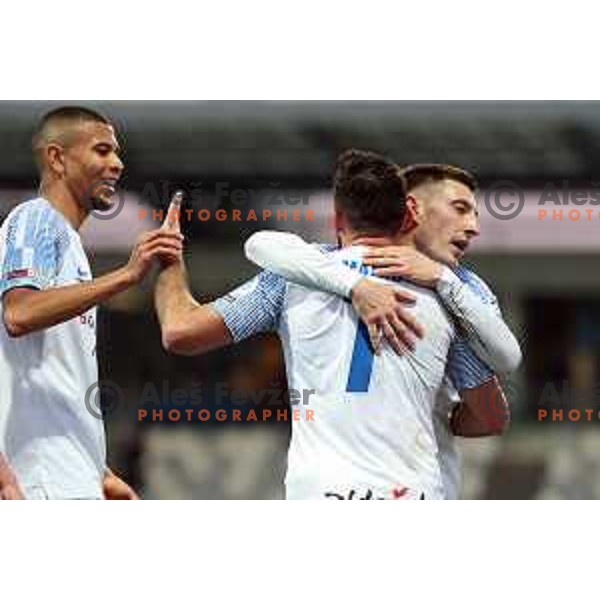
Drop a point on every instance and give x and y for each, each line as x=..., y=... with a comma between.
x=542, y=270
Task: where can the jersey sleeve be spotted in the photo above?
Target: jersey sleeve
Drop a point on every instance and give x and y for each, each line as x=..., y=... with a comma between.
x=312, y=266
x=32, y=249
x=254, y=307
x=476, y=311
x=465, y=369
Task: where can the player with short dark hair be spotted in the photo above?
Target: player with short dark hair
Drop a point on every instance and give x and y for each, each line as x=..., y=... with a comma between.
x=54, y=445
x=420, y=174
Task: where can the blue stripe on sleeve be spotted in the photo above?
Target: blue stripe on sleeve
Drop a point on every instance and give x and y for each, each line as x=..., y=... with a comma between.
x=465, y=369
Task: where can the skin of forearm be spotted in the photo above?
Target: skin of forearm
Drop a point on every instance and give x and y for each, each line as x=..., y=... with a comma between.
x=44, y=308
x=172, y=296
x=187, y=327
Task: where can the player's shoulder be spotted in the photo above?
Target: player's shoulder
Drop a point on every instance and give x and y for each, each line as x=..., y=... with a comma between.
x=474, y=281
x=37, y=212
x=427, y=300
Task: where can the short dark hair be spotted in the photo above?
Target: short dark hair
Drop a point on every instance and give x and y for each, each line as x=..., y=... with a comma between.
x=416, y=175
x=369, y=190
x=61, y=118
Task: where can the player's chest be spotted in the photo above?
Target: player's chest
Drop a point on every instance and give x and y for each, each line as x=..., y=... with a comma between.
x=74, y=267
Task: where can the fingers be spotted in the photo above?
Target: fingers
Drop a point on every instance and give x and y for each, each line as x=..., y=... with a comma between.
x=390, y=334
x=409, y=321
x=160, y=233
x=372, y=241
x=385, y=261
x=171, y=222
x=395, y=271
x=404, y=297
x=163, y=252
x=164, y=248
x=14, y=494
x=11, y=492
x=387, y=250
x=399, y=336
x=375, y=337
x=164, y=241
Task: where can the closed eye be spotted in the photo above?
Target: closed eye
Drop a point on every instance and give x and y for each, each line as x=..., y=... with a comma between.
x=462, y=207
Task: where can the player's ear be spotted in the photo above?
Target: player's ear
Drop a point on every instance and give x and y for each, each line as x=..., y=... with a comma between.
x=411, y=215
x=55, y=158
x=338, y=221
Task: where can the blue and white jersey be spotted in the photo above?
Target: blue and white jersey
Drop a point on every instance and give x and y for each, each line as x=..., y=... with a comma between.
x=55, y=445
x=465, y=371
x=372, y=434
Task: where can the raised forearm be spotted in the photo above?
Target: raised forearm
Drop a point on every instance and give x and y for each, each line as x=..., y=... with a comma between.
x=172, y=296
x=27, y=310
x=187, y=327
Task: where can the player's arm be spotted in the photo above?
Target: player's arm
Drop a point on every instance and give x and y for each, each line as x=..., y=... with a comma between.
x=483, y=409
x=380, y=306
x=114, y=488
x=190, y=328
x=30, y=303
x=187, y=327
x=9, y=486
x=479, y=320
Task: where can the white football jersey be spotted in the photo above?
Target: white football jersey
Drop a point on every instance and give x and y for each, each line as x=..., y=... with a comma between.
x=372, y=435
x=55, y=444
x=289, y=256
x=448, y=452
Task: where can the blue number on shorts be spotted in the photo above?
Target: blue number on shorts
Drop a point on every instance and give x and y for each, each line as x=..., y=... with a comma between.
x=361, y=364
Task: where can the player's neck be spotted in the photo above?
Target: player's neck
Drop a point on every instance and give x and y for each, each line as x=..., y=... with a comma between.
x=64, y=202
x=353, y=238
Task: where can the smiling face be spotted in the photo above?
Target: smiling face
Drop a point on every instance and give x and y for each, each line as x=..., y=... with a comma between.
x=448, y=220
x=92, y=166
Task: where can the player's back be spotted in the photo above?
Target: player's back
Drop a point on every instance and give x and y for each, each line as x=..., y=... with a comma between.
x=372, y=434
